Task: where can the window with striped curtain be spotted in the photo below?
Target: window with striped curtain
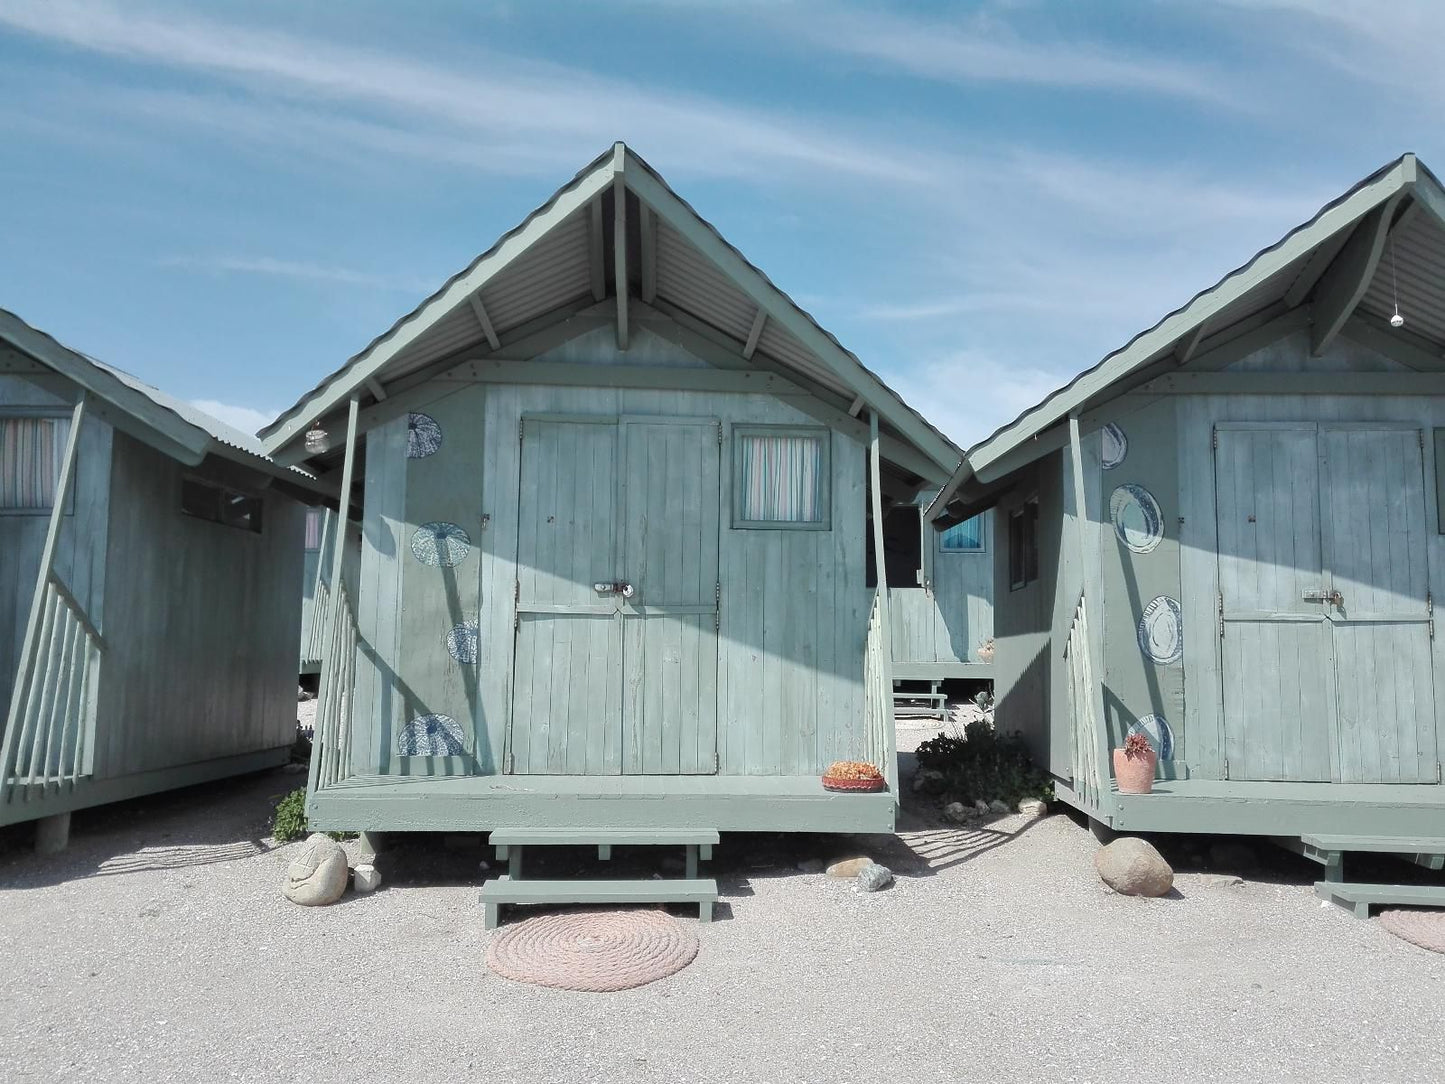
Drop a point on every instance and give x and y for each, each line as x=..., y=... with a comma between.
x=313, y=528
x=31, y=451
x=965, y=537
x=781, y=478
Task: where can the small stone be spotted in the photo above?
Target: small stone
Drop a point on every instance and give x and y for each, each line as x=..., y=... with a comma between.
x=848, y=868
x=1132, y=867
x=1034, y=807
x=484, y=865
x=1227, y=880
x=999, y=807
x=317, y=875
x=365, y=879
x=811, y=865
x=980, y=806
x=957, y=811
x=872, y=877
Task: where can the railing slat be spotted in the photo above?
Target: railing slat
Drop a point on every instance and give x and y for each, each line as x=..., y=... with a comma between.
x=43, y=690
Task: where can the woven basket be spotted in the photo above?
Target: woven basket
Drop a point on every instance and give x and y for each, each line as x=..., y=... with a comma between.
x=837, y=783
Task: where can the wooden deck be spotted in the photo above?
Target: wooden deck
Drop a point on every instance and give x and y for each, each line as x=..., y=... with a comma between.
x=1279, y=809
x=484, y=803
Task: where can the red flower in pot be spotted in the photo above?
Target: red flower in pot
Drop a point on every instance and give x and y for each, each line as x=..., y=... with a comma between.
x=1134, y=765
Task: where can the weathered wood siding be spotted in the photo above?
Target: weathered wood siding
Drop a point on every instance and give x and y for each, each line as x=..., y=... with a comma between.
x=80, y=557
x=950, y=620
x=793, y=607
x=200, y=623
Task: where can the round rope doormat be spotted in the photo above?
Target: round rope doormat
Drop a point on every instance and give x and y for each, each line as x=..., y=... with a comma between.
x=593, y=950
x=1423, y=928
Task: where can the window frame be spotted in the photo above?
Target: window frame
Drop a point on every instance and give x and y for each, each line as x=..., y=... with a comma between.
x=1027, y=515
x=23, y=413
x=983, y=532
x=221, y=488
x=319, y=514
x=824, y=436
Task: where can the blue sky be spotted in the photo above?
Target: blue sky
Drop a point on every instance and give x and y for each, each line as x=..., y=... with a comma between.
x=229, y=199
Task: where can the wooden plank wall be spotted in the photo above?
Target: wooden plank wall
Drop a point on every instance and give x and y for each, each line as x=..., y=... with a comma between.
x=80, y=558
x=952, y=620
x=794, y=606
x=201, y=624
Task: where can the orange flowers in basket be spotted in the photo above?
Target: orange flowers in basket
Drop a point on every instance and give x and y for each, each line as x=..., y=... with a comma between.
x=852, y=775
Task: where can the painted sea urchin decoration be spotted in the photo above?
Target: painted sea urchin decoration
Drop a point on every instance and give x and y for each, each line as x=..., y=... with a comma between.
x=1116, y=446
x=431, y=736
x=440, y=544
x=462, y=642
x=1161, y=631
x=423, y=436
x=1136, y=516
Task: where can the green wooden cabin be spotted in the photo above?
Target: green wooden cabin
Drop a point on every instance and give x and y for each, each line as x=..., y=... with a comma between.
x=615, y=492
x=1227, y=535
x=150, y=559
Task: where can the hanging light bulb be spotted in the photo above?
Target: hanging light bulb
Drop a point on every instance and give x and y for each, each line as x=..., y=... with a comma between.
x=1397, y=321
x=318, y=440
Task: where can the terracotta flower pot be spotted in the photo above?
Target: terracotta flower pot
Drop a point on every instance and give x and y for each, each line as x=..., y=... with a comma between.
x=1135, y=774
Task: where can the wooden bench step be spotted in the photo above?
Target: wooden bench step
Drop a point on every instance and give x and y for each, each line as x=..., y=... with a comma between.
x=1426, y=851
x=1361, y=897
x=587, y=837
x=702, y=891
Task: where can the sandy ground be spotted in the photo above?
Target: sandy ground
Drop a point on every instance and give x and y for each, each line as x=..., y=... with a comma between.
x=158, y=947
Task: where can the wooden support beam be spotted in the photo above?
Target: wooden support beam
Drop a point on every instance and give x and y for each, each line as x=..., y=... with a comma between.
x=1398, y=344
x=875, y=479
x=596, y=266
x=338, y=551
x=1344, y=284
x=480, y=311
x=755, y=333
x=1297, y=383
x=619, y=253
x=373, y=385
x=855, y=407
x=1242, y=339
x=567, y=374
x=1184, y=349
x=647, y=230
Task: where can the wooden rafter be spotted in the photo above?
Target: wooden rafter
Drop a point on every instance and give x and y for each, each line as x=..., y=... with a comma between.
x=1341, y=288
x=480, y=312
x=755, y=333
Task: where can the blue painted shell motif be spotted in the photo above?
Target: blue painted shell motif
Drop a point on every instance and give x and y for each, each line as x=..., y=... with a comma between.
x=462, y=642
x=423, y=436
x=1161, y=631
x=1156, y=729
x=431, y=736
x=440, y=544
x=1137, y=520
x=1115, y=446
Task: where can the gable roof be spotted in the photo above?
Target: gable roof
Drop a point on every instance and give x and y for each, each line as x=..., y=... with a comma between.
x=169, y=425
x=563, y=259
x=1326, y=274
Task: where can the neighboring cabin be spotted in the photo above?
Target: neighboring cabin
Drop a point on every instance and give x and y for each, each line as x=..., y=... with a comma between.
x=615, y=491
x=1228, y=535
x=150, y=558
x=316, y=581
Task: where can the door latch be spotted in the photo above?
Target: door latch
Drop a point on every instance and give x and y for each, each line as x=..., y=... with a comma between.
x=616, y=587
x=1334, y=598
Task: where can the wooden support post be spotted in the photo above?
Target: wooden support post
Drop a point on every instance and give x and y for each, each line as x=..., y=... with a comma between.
x=619, y=253
x=604, y=852
x=691, y=861
x=755, y=333
x=52, y=834
x=514, y=862
x=25, y=675
x=875, y=476
x=348, y=469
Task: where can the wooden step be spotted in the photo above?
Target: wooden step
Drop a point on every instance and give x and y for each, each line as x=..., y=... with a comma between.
x=1361, y=897
x=702, y=891
x=587, y=837
x=1427, y=851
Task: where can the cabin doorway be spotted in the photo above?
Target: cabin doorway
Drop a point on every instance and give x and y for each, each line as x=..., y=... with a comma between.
x=1325, y=610
x=615, y=668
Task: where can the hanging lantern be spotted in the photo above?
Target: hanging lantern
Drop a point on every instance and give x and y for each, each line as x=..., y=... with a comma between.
x=318, y=440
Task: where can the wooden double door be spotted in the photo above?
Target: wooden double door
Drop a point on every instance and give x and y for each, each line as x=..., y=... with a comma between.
x=615, y=667
x=1325, y=610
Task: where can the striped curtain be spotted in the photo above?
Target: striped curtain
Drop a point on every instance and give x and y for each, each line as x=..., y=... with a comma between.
x=965, y=537
x=313, y=528
x=782, y=479
x=31, y=450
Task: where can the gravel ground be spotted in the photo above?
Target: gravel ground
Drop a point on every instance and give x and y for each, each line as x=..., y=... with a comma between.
x=158, y=947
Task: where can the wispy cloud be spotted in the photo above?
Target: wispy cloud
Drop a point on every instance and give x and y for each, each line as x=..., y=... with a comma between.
x=246, y=419
x=983, y=48
x=968, y=393
x=294, y=269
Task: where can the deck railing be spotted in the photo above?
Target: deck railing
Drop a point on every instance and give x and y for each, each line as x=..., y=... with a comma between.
x=880, y=742
x=313, y=648
x=50, y=742
x=331, y=743
x=1090, y=775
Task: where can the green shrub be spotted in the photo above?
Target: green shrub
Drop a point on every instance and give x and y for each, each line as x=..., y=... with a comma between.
x=982, y=764
x=290, y=820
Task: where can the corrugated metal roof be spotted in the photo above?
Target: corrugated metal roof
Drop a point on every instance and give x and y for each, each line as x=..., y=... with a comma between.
x=1412, y=267
x=553, y=272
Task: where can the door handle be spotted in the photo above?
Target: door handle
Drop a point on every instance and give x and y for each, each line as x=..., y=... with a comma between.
x=1334, y=598
x=616, y=587
x=626, y=590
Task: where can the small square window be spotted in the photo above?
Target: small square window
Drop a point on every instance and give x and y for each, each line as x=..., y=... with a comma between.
x=31, y=452
x=781, y=478
x=965, y=537
x=220, y=505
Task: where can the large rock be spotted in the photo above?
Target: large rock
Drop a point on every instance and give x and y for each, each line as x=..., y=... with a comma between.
x=1132, y=867
x=318, y=874
x=849, y=868
x=1033, y=807
x=872, y=877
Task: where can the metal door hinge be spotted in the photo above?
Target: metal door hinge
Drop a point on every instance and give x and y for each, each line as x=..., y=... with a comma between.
x=1221, y=615
x=717, y=762
x=511, y=763
x=1439, y=773
x=1226, y=767
x=717, y=607
x=516, y=590
x=719, y=434
x=1214, y=437
x=521, y=430
x=1430, y=613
